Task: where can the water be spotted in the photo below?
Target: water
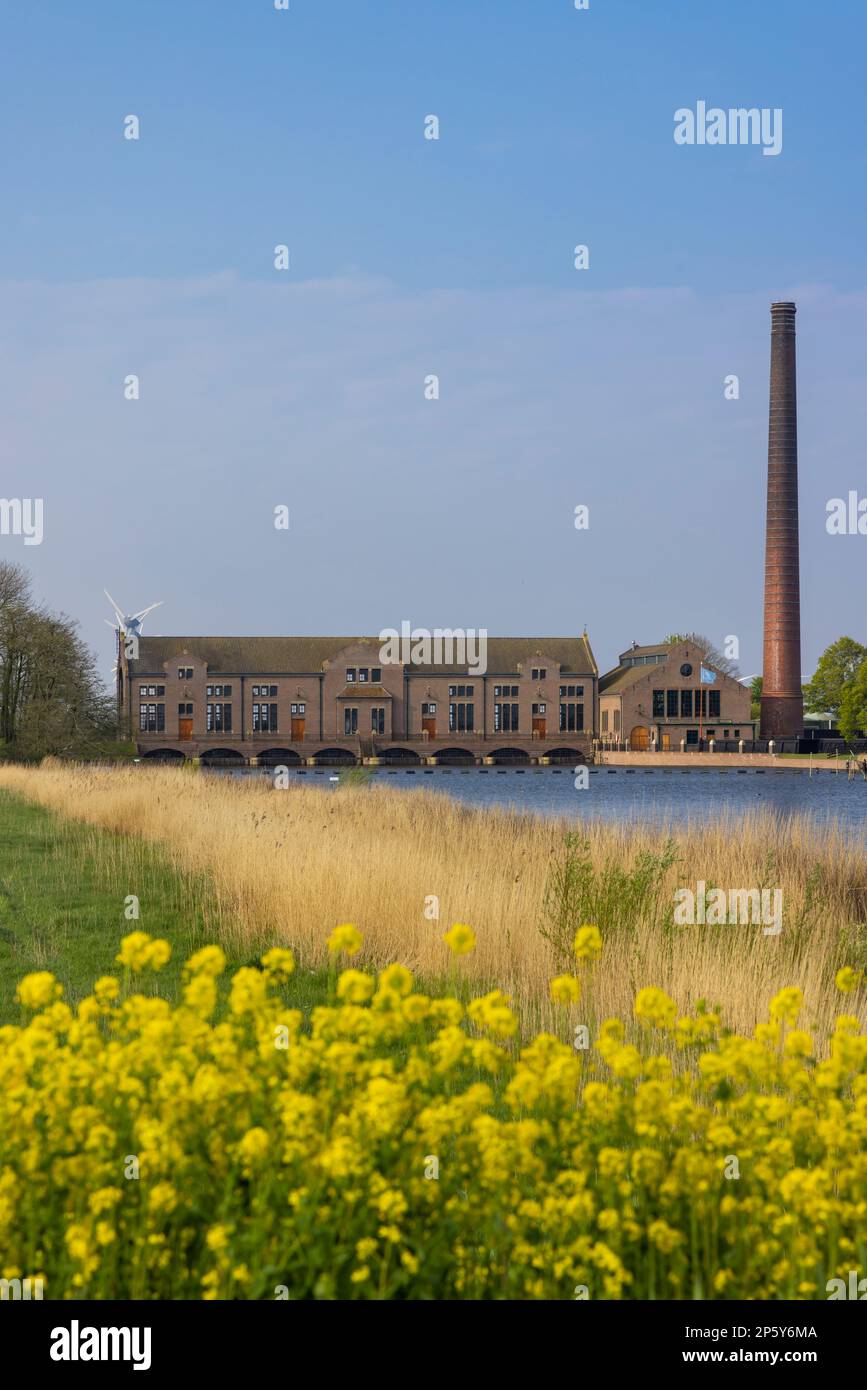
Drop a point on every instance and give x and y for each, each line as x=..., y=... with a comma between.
x=662, y=795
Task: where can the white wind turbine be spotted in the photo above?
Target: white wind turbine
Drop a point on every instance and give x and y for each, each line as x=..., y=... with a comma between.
x=127, y=624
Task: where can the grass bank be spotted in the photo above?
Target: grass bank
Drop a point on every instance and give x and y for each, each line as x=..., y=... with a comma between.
x=64, y=894
x=283, y=867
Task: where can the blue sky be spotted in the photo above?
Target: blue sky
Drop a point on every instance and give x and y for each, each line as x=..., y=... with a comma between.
x=409, y=257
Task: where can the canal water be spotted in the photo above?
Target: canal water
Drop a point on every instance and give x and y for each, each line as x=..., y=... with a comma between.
x=664, y=795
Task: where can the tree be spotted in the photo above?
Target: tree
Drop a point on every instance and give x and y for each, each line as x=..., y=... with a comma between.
x=837, y=668
x=756, y=697
x=51, y=697
x=853, y=709
x=715, y=658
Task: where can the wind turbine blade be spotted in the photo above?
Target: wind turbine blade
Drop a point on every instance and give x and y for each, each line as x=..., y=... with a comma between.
x=121, y=617
x=144, y=612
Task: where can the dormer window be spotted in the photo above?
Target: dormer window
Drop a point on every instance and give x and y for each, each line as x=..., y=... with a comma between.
x=350, y=675
x=539, y=673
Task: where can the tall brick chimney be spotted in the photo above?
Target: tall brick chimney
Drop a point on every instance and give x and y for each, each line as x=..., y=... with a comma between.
x=782, y=701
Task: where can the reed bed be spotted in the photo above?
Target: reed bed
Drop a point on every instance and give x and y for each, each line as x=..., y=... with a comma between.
x=288, y=865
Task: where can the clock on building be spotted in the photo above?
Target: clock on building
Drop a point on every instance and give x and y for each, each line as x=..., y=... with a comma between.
x=686, y=669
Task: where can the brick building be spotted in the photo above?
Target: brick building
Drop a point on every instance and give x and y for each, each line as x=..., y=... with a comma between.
x=332, y=699
x=655, y=698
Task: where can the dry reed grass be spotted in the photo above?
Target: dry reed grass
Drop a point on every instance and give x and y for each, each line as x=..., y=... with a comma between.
x=288, y=865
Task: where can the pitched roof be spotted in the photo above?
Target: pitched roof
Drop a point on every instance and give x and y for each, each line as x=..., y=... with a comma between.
x=655, y=650
x=613, y=682
x=306, y=655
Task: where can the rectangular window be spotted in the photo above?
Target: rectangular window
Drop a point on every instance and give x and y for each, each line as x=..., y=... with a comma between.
x=264, y=718
x=572, y=719
x=686, y=704
x=429, y=709
x=539, y=673
x=152, y=719
x=219, y=719
x=659, y=704
x=460, y=718
x=700, y=703
x=362, y=675
x=376, y=675
x=540, y=709
x=299, y=709
x=737, y=733
x=692, y=735
x=605, y=721
x=617, y=721
x=350, y=675
x=671, y=703
x=185, y=673
x=713, y=708
x=227, y=690
x=505, y=719
x=350, y=721
x=377, y=720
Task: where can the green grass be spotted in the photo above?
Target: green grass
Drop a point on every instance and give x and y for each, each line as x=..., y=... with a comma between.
x=63, y=892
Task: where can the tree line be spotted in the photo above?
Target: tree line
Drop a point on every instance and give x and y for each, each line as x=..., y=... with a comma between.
x=52, y=700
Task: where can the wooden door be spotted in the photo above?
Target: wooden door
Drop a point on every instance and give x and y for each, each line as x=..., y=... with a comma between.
x=638, y=739
x=666, y=743
x=540, y=725
x=185, y=730
x=429, y=726
x=298, y=725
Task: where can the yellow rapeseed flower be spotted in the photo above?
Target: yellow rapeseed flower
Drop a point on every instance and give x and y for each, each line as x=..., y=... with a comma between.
x=848, y=979
x=279, y=962
x=38, y=990
x=565, y=989
x=460, y=939
x=588, y=943
x=345, y=939
x=395, y=979
x=354, y=986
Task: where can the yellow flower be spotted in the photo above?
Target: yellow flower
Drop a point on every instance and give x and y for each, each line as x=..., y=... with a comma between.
x=396, y=979
x=786, y=1005
x=588, y=943
x=460, y=939
x=162, y=1198
x=254, y=1145
x=248, y=992
x=106, y=988
x=354, y=986
x=565, y=989
x=279, y=962
x=39, y=990
x=210, y=960
x=135, y=951
x=345, y=938
x=160, y=954
x=848, y=979
x=218, y=1237
x=654, y=1006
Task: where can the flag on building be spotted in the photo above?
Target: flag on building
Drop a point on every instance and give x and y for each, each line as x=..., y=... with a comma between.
x=707, y=677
